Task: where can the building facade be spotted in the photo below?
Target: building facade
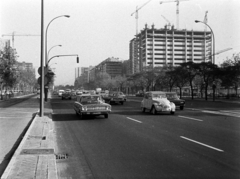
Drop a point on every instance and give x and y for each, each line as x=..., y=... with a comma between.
x=168, y=46
x=112, y=66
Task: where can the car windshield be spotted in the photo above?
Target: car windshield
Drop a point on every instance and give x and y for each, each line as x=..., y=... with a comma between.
x=172, y=96
x=159, y=96
x=90, y=99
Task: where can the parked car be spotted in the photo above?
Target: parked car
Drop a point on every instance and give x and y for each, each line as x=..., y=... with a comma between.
x=156, y=101
x=88, y=104
x=115, y=97
x=173, y=97
x=67, y=94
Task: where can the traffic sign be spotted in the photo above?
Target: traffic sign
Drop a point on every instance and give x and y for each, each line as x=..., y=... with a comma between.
x=40, y=70
x=45, y=80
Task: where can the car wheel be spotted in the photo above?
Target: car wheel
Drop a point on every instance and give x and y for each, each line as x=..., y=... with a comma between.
x=62, y=98
x=70, y=98
x=153, y=110
x=106, y=115
x=172, y=112
x=121, y=103
x=181, y=107
x=143, y=109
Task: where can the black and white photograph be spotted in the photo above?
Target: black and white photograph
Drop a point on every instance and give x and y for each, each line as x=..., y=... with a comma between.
x=120, y=89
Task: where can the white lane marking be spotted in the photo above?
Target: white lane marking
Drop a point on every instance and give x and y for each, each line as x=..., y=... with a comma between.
x=191, y=118
x=221, y=113
x=134, y=120
x=202, y=144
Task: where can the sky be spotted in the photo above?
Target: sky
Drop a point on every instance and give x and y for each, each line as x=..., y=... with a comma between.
x=99, y=29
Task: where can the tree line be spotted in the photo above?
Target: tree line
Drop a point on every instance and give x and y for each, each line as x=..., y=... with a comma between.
x=202, y=76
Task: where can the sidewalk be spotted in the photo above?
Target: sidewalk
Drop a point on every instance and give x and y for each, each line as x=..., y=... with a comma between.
x=35, y=157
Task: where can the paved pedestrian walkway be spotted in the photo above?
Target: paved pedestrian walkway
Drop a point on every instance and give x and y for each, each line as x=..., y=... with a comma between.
x=35, y=158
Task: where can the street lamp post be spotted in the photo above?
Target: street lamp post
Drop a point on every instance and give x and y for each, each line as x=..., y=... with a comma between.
x=213, y=50
x=51, y=49
x=46, y=60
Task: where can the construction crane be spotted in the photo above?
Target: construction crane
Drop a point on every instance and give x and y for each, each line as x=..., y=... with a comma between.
x=205, y=20
x=177, y=12
x=169, y=24
x=14, y=34
x=136, y=14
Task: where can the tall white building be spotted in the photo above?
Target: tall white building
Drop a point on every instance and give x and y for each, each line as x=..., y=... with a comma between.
x=159, y=47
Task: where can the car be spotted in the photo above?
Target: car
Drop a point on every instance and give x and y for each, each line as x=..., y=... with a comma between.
x=115, y=97
x=156, y=101
x=173, y=97
x=60, y=92
x=67, y=94
x=139, y=94
x=88, y=104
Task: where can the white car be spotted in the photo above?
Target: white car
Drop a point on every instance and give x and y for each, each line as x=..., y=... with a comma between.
x=156, y=101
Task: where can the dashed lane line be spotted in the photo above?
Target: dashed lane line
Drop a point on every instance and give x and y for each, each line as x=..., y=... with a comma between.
x=134, y=120
x=211, y=147
x=191, y=118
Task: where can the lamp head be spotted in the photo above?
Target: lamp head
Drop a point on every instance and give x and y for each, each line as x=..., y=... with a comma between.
x=66, y=16
x=196, y=21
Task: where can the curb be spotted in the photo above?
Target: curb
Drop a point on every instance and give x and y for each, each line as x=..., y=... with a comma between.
x=34, y=157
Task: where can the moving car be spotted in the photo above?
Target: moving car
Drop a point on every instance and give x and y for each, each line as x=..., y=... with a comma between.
x=173, y=97
x=60, y=92
x=156, y=101
x=87, y=104
x=67, y=94
x=115, y=97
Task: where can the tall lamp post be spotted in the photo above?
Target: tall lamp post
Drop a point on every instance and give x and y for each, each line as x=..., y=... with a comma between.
x=51, y=49
x=213, y=50
x=46, y=56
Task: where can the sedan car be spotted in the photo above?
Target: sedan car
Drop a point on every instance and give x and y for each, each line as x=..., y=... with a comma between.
x=173, y=97
x=88, y=104
x=67, y=94
x=156, y=101
x=115, y=97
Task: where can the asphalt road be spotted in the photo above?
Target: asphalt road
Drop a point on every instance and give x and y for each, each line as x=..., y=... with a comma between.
x=202, y=141
x=15, y=116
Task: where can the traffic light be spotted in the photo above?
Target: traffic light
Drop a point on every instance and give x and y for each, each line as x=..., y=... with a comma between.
x=77, y=59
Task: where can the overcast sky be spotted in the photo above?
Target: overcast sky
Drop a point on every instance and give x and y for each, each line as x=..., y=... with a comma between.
x=98, y=29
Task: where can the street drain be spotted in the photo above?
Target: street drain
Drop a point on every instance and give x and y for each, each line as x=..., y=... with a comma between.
x=61, y=156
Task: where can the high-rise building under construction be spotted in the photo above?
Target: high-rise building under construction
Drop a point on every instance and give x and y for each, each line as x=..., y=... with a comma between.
x=167, y=46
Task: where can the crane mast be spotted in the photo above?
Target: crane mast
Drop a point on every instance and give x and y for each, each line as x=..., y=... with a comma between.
x=136, y=14
x=177, y=11
x=13, y=34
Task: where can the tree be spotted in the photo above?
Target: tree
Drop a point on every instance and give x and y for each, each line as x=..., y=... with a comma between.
x=8, y=72
x=191, y=73
x=120, y=81
x=208, y=72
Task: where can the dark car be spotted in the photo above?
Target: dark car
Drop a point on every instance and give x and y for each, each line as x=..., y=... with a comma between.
x=173, y=97
x=67, y=95
x=88, y=104
x=115, y=97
